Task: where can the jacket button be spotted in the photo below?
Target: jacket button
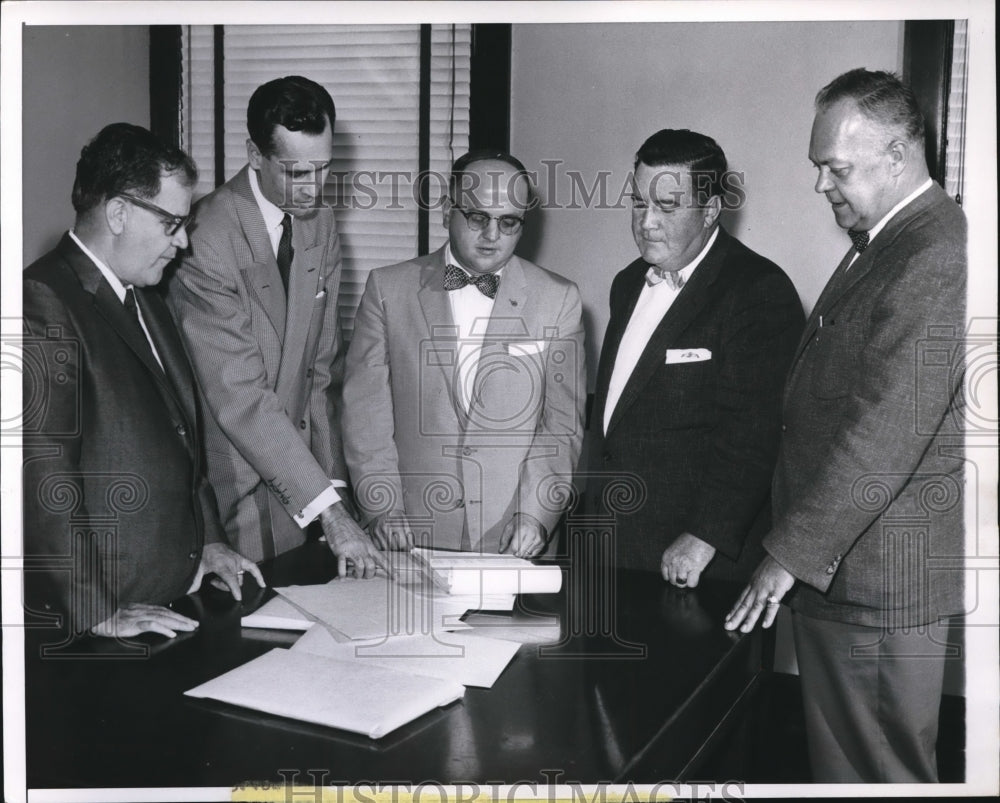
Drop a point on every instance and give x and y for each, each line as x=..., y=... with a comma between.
x=784, y=428
x=607, y=457
x=302, y=424
x=309, y=373
x=193, y=554
x=181, y=430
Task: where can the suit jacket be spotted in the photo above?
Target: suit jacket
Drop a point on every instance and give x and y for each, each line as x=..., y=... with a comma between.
x=269, y=368
x=410, y=444
x=695, y=442
x=868, y=487
x=117, y=508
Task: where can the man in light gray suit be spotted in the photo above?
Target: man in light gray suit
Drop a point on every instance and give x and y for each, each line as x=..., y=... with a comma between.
x=464, y=387
x=868, y=491
x=256, y=300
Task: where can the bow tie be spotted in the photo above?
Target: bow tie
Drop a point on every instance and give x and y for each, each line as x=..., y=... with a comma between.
x=455, y=279
x=859, y=238
x=673, y=279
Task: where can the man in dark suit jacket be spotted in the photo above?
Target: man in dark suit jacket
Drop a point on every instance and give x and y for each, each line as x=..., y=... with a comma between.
x=868, y=488
x=256, y=300
x=689, y=384
x=117, y=510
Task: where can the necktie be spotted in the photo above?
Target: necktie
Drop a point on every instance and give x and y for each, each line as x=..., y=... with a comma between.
x=673, y=278
x=285, y=252
x=131, y=308
x=859, y=238
x=455, y=279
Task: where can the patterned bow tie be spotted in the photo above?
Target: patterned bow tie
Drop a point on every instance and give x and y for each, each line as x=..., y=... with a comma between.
x=859, y=238
x=455, y=279
x=673, y=278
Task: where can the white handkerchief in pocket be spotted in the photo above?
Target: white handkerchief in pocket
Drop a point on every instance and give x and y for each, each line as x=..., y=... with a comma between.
x=687, y=355
x=525, y=348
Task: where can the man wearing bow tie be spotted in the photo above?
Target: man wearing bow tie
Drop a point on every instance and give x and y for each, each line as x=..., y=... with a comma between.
x=868, y=491
x=464, y=388
x=689, y=383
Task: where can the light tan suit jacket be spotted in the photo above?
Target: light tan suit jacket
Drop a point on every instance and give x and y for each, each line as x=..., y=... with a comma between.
x=411, y=445
x=269, y=367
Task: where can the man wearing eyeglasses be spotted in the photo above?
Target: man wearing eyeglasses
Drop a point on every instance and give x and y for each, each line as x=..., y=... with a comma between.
x=687, y=403
x=464, y=388
x=256, y=301
x=118, y=514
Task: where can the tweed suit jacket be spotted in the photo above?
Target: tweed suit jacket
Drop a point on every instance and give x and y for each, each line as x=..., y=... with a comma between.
x=269, y=367
x=117, y=508
x=695, y=442
x=869, y=483
x=410, y=444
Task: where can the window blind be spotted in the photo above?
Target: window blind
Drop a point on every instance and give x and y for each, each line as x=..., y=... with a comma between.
x=373, y=74
x=954, y=161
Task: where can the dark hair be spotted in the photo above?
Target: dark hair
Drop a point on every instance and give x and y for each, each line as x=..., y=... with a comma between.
x=462, y=163
x=294, y=102
x=701, y=154
x=881, y=97
x=126, y=158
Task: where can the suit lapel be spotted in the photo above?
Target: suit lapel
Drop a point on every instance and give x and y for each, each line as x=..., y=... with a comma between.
x=263, y=276
x=109, y=307
x=632, y=282
x=303, y=284
x=441, y=326
x=171, y=351
x=686, y=307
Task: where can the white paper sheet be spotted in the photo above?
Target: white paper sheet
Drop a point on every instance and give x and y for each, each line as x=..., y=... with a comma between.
x=450, y=656
x=365, y=609
x=362, y=698
x=278, y=614
x=479, y=573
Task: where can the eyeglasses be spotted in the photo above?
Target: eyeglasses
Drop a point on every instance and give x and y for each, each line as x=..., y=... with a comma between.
x=477, y=221
x=172, y=223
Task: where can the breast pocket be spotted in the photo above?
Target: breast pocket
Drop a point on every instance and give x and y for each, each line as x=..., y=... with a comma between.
x=834, y=355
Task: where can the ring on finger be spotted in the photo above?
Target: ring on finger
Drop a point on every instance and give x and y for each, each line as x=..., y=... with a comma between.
x=773, y=600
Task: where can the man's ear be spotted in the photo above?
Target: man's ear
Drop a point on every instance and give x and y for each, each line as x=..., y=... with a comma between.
x=899, y=156
x=116, y=212
x=254, y=156
x=712, y=210
x=446, y=211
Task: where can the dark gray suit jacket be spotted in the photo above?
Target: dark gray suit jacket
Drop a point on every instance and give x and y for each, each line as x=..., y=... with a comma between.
x=696, y=440
x=117, y=508
x=869, y=484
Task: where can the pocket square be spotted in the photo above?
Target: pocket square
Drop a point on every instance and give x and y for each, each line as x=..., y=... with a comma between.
x=525, y=348
x=687, y=355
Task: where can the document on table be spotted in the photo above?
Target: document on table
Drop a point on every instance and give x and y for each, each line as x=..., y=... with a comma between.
x=278, y=614
x=358, y=697
x=375, y=608
x=534, y=630
x=486, y=573
x=450, y=656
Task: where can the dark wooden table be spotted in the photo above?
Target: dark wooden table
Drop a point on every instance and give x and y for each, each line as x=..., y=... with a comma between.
x=642, y=679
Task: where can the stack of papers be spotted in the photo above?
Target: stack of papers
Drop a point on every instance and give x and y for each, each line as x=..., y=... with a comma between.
x=358, y=697
x=473, y=573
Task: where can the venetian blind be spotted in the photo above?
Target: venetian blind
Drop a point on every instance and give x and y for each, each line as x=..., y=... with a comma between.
x=373, y=74
x=954, y=161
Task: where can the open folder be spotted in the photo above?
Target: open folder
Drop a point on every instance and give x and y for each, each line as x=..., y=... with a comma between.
x=487, y=573
x=358, y=697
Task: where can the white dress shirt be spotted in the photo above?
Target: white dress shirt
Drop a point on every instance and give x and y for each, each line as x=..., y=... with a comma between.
x=651, y=306
x=273, y=215
x=470, y=310
x=874, y=230
x=120, y=290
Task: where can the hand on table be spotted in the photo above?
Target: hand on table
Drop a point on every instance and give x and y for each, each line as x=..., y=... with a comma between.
x=524, y=536
x=769, y=584
x=685, y=559
x=356, y=555
x=137, y=617
x=229, y=566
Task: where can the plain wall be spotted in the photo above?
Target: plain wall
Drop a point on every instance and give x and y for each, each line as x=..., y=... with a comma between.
x=76, y=80
x=587, y=95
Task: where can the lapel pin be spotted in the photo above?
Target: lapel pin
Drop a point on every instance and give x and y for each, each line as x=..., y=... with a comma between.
x=513, y=302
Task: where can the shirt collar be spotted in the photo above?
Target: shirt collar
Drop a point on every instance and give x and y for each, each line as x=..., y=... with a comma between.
x=909, y=198
x=687, y=270
x=449, y=261
x=273, y=215
x=113, y=280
